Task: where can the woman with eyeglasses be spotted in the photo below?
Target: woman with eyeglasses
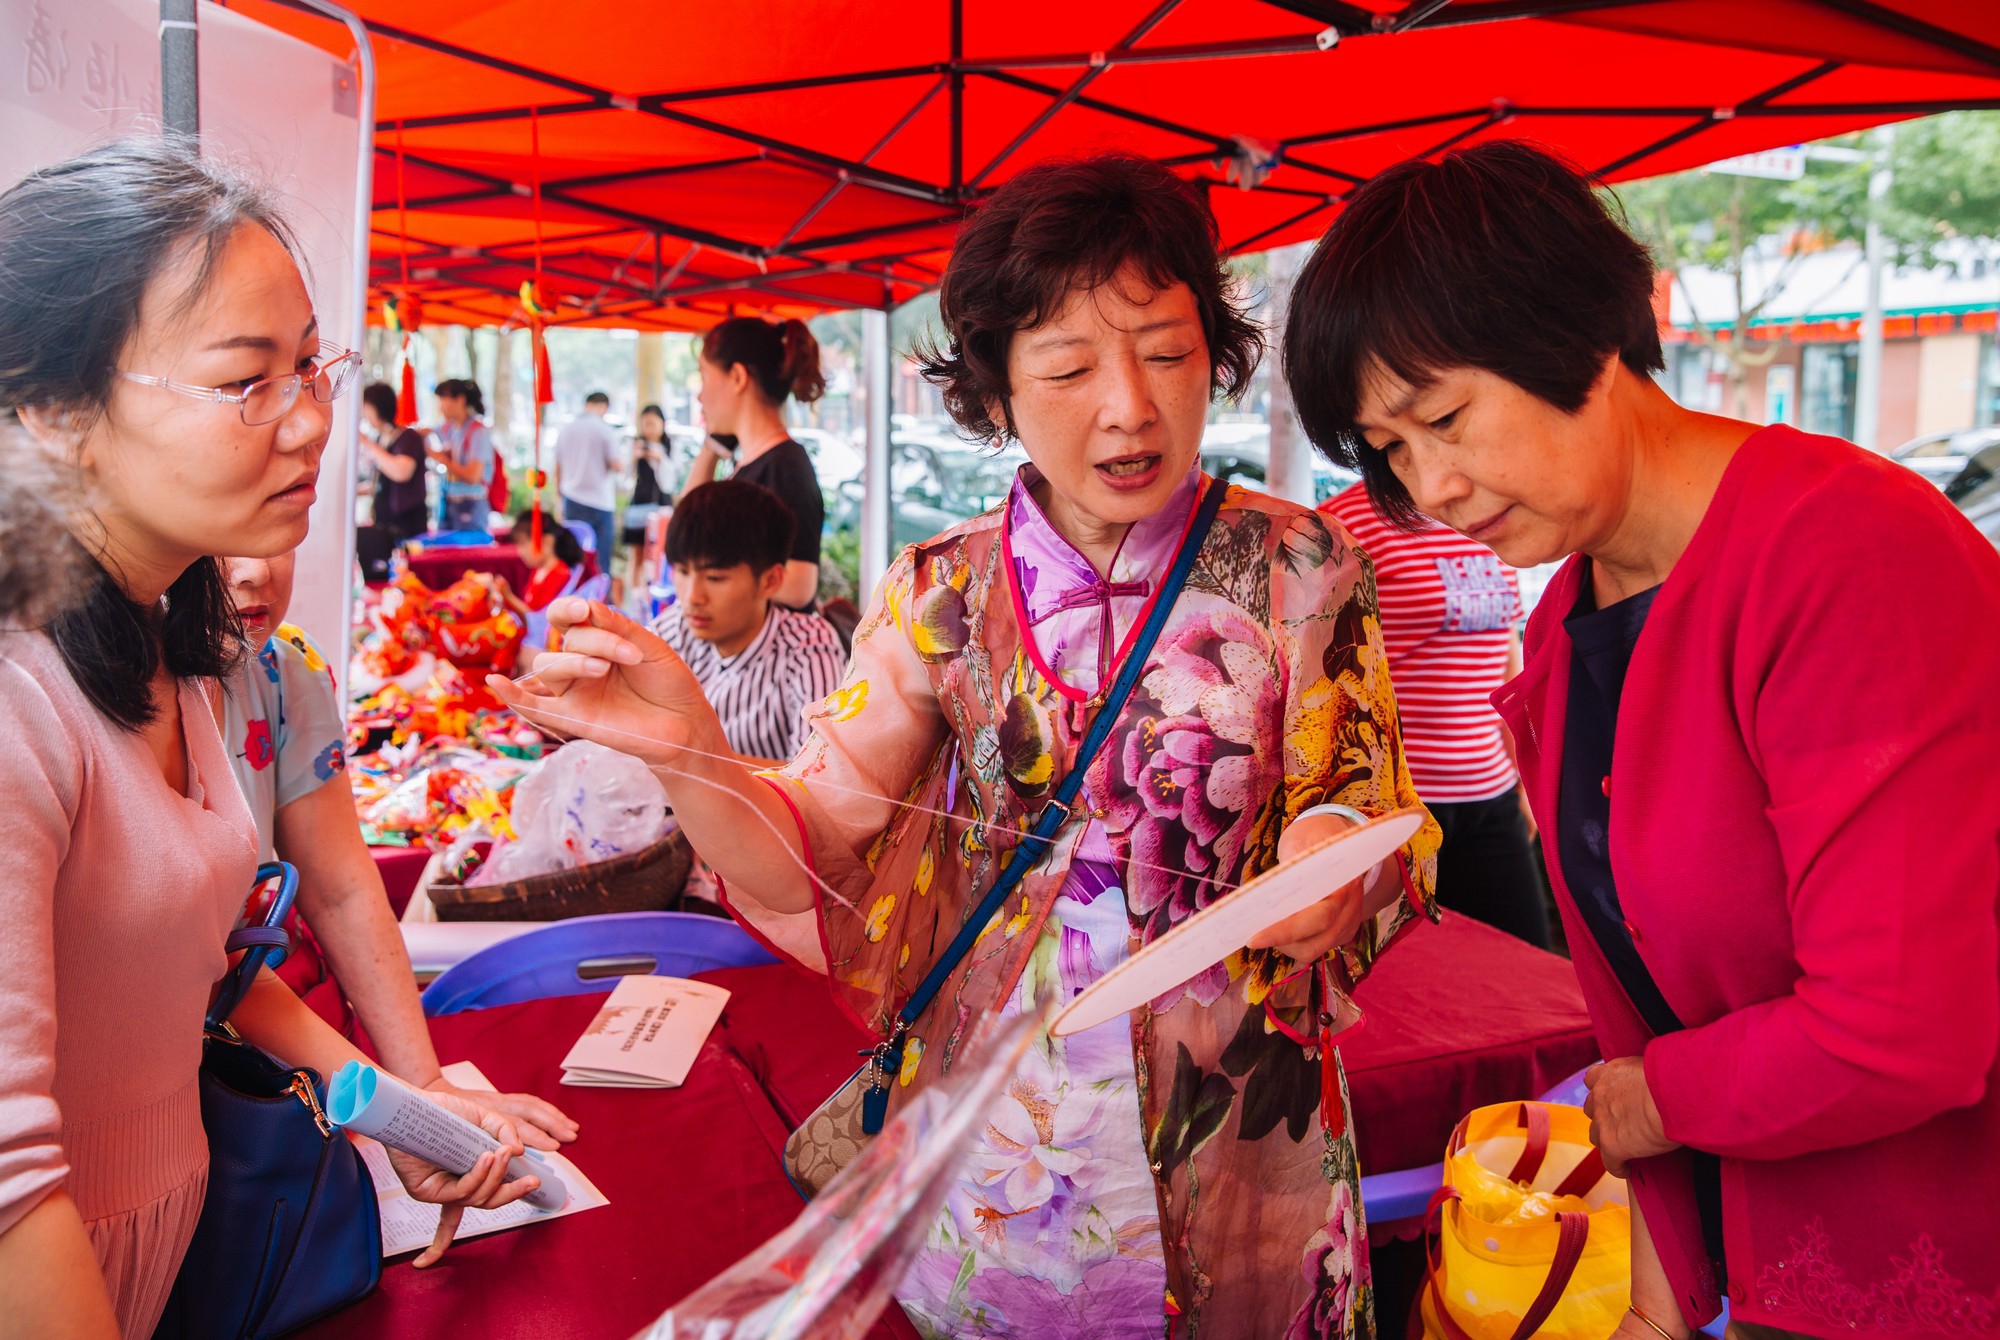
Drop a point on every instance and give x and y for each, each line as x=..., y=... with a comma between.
x=156, y=338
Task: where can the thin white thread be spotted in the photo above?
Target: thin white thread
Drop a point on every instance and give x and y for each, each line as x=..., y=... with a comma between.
x=1132, y=862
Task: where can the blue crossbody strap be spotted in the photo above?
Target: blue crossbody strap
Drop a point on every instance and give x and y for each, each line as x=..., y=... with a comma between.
x=267, y=944
x=888, y=1055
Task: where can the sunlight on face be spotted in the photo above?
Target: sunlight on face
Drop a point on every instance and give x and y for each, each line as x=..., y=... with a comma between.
x=1110, y=397
x=261, y=589
x=1498, y=464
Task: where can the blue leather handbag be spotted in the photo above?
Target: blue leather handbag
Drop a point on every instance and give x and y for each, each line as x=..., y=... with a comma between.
x=289, y=1230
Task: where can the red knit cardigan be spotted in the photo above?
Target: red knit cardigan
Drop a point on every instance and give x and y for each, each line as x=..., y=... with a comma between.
x=1805, y=835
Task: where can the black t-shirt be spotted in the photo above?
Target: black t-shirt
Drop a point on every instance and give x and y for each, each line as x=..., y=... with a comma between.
x=401, y=506
x=1601, y=645
x=646, y=484
x=787, y=471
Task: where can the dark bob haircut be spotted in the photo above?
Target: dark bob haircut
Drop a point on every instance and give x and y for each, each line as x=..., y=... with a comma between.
x=1064, y=226
x=727, y=522
x=380, y=397
x=82, y=243
x=568, y=549
x=1500, y=257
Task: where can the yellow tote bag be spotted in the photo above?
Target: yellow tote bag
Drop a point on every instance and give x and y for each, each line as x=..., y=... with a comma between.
x=1529, y=1236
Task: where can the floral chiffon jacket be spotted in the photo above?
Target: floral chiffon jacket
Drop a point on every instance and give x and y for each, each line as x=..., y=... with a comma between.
x=1266, y=693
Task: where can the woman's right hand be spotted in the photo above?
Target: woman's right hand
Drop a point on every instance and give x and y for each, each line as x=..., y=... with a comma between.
x=484, y=1186
x=617, y=683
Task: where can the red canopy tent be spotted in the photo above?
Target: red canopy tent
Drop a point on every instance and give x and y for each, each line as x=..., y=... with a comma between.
x=679, y=162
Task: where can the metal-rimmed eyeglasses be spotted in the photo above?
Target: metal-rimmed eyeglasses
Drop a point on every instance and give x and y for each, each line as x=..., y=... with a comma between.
x=266, y=399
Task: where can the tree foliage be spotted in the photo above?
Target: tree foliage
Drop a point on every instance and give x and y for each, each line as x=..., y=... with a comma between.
x=1944, y=185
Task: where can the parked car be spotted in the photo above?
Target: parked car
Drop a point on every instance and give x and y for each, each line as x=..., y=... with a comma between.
x=835, y=459
x=1939, y=457
x=935, y=482
x=1975, y=476
x=1241, y=453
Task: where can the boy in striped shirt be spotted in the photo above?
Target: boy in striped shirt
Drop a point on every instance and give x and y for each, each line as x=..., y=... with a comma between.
x=759, y=664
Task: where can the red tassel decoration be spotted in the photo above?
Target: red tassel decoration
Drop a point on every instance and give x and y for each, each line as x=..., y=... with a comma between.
x=406, y=398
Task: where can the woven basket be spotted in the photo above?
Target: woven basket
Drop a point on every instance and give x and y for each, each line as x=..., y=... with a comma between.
x=642, y=881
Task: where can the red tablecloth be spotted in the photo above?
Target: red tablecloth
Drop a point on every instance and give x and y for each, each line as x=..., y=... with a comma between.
x=400, y=868
x=1458, y=1015
x=693, y=1175
x=440, y=567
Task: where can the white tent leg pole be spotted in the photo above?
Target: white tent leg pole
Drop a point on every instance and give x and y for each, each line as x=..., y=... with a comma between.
x=876, y=503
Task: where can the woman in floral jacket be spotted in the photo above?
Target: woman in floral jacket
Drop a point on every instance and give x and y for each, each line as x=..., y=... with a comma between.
x=1189, y=1168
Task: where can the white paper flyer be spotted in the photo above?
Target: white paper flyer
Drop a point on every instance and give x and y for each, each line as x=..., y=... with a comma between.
x=647, y=1035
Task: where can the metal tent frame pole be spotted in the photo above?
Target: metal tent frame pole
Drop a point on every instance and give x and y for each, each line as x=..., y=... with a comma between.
x=877, y=506
x=357, y=279
x=180, y=68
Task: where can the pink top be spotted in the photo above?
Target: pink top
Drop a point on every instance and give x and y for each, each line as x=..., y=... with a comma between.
x=118, y=896
x=1805, y=832
x=1080, y=618
x=1449, y=607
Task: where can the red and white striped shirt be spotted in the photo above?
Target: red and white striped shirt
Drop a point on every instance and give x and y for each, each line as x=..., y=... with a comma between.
x=1449, y=610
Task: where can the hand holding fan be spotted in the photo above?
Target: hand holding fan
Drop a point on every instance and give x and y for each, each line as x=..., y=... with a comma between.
x=1226, y=925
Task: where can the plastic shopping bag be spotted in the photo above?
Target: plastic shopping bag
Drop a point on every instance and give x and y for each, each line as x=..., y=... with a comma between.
x=1529, y=1235
x=829, y=1275
x=580, y=805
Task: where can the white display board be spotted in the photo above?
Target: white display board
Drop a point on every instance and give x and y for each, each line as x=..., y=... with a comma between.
x=76, y=72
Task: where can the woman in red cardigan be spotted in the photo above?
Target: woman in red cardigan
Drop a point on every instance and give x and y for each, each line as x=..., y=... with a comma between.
x=1780, y=886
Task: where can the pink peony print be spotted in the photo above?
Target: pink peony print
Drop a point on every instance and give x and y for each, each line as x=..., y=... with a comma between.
x=1118, y=1299
x=1202, y=748
x=1329, y=1266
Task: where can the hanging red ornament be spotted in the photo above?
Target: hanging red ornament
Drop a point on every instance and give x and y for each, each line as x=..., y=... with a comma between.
x=406, y=397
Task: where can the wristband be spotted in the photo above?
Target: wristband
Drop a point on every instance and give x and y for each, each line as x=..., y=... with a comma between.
x=1658, y=1329
x=1347, y=812
x=1353, y=816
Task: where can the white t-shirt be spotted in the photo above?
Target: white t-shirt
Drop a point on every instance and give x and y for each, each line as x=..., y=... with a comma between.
x=588, y=462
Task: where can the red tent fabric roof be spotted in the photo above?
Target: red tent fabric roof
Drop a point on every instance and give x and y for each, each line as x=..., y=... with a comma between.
x=785, y=157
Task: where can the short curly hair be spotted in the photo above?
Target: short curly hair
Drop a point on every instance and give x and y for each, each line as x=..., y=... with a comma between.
x=1066, y=225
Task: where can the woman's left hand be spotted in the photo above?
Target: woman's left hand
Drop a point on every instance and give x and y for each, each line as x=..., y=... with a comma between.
x=540, y=1123
x=1624, y=1123
x=1328, y=923
x=485, y=1187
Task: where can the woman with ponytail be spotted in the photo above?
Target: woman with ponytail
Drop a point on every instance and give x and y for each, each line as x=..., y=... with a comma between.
x=749, y=367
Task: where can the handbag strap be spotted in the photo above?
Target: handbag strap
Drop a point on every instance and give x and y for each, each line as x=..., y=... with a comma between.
x=1535, y=1121
x=265, y=945
x=1572, y=1235
x=1057, y=812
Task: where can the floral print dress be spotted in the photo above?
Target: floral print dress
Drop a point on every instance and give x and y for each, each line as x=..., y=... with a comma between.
x=283, y=726
x=1175, y=1172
